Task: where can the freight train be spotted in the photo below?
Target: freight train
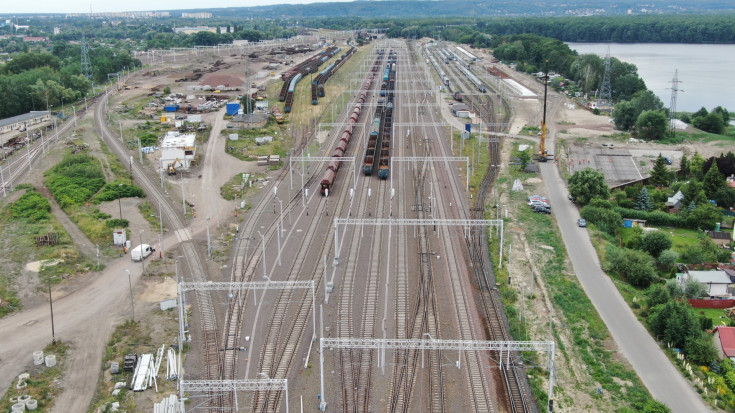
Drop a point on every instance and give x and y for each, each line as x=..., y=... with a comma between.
x=295, y=74
x=386, y=134
x=331, y=173
x=317, y=85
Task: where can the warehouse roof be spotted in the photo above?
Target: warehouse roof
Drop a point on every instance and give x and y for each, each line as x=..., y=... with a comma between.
x=22, y=118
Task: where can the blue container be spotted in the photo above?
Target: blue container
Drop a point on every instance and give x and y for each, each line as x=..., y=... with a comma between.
x=171, y=108
x=233, y=108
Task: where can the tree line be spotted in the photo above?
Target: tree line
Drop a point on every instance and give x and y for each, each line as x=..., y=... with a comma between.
x=42, y=80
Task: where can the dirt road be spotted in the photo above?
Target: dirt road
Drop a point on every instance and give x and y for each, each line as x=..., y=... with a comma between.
x=84, y=318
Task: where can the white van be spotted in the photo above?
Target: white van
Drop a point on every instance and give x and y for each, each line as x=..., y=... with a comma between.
x=141, y=252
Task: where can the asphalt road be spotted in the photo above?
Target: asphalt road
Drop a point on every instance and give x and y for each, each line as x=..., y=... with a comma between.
x=661, y=378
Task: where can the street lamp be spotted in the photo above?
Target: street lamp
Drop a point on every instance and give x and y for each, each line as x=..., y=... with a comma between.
x=51, y=305
x=209, y=242
x=142, y=261
x=119, y=203
x=132, y=304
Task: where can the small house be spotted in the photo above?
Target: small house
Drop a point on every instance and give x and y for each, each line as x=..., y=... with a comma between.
x=461, y=110
x=632, y=222
x=724, y=341
x=715, y=281
x=179, y=149
x=673, y=204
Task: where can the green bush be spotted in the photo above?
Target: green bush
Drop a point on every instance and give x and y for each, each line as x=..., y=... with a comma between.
x=75, y=179
x=656, y=218
x=604, y=219
x=115, y=190
x=117, y=223
x=148, y=139
x=655, y=242
x=635, y=266
x=32, y=206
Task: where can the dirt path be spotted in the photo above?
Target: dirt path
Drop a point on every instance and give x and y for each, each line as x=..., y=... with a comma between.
x=84, y=244
x=217, y=169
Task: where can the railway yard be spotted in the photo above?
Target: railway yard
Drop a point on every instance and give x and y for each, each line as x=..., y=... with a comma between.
x=360, y=276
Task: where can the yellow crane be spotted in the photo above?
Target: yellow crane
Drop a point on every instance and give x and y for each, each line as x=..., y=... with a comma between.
x=542, y=152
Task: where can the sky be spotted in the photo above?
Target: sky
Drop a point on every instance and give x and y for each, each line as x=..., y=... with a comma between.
x=82, y=6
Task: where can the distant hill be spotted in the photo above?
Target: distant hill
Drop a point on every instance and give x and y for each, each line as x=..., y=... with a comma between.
x=473, y=8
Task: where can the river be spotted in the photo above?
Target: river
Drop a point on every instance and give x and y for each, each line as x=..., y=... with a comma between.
x=705, y=70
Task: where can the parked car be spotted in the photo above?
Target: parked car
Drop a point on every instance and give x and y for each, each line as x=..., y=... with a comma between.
x=141, y=252
x=582, y=223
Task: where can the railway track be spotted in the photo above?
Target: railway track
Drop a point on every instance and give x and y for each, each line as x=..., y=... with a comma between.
x=516, y=384
x=205, y=306
x=279, y=349
x=422, y=319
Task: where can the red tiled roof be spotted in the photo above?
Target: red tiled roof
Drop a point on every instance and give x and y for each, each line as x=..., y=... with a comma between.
x=727, y=340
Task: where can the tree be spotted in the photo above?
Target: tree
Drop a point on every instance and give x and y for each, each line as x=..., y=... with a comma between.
x=667, y=259
x=644, y=202
x=635, y=266
x=693, y=288
x=646, y=100
x=655, y=242
x=700, y=349
x=722, y=112
x=702, y=112
x=524, y=157
x=725, y=197
x=674, y=323
x=684, y=165
x=693, y=193
x=660, y=175
x=658, y=294
x=711, y=123
x=696, y=166
x=625, y=115
x=651, y=124
x=713, y=181
x=588, y=184
x=674, y=289
x=704, y=216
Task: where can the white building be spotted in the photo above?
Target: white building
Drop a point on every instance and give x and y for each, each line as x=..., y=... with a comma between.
x=21, y=122
x=179, y=149
x=715, y=281
x=201, y=15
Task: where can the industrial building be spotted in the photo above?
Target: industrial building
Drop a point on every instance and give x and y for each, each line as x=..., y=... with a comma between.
x=178, y=149
x=21, y=122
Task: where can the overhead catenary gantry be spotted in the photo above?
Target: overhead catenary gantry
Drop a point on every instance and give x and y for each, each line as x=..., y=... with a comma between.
x=381, y=345
x=219, y=386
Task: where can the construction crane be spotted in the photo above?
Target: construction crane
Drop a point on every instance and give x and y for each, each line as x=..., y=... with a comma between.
x=542, y=153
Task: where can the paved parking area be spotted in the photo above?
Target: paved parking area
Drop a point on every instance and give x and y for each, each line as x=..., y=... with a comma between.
x=619, y=165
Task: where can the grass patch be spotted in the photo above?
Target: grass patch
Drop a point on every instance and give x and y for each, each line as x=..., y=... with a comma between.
x=235, y=187
x=150, y=215
x=44, y=382
x=584, y=328
x=246, y=149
